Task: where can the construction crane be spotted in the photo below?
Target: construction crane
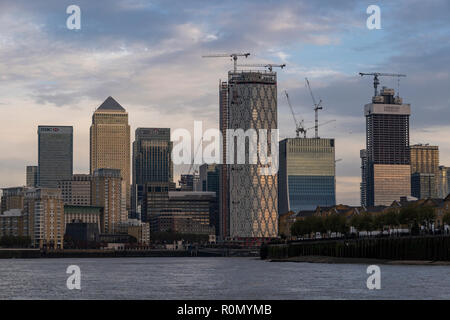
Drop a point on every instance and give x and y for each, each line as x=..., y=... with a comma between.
x=233, y=56
x=299, y=127
x=193, y=158
x=321, y=124
x=269, y=66
x=376, y=82
x=317, y=107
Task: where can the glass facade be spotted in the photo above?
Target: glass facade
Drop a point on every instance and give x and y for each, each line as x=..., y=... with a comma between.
x=152, y=162
x=55, y=155
x=388, y=171
x=307, y=174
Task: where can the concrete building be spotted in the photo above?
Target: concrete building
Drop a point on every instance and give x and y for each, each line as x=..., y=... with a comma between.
x=364, y=178
x=209, y=180
x=443, y=181
x=84, y=214
x=45, y=210
x=107, y=193
x=387, y=144
x=14, y=223
x=12, y=198
x=179, y=211
x=32, y=176
x=306, y=176
x=424, y=162
x=110, y=142
x=152, y=162
x=135, y=228
x=55, y=155
x=252, y=195
x=423, y=185
x=77, y=190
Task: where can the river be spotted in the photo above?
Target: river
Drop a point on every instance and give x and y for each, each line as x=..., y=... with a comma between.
x=215, y=278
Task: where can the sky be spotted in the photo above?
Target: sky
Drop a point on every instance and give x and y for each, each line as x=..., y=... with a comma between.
x=147, y=55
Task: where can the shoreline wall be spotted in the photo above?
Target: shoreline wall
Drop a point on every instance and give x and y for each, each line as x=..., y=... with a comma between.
x=434, y=248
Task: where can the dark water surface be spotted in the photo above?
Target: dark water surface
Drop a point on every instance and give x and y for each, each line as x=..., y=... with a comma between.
x=215, y=278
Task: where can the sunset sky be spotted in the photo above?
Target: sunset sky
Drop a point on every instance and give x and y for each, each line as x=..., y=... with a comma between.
x=147, y=55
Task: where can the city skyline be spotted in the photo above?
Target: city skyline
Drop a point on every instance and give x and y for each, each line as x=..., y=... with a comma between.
x=168, y=87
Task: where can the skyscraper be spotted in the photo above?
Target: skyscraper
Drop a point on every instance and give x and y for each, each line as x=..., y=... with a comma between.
x=424, y=164
x=55, y=155
x=224, y=209
x=152, y=161
x=32, y=176
x=387, y=144
x=253, y=196
x=306, y=175
x=110, y=142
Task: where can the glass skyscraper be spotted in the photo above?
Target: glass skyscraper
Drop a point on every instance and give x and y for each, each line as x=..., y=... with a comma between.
x=306, y=177
x=55, y=155
x=152, y=162
x=388, y=175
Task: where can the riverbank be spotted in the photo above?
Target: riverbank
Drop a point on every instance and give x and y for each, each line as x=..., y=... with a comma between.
x=340, y=260
x=132, y=253
x=410, y=248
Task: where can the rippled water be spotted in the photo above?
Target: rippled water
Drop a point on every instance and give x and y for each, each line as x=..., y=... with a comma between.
x=215, y=278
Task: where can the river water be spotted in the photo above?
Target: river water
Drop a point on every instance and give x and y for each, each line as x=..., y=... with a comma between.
x=215, y=278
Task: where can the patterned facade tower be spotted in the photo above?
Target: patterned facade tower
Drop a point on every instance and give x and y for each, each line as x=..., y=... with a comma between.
x=253, y=197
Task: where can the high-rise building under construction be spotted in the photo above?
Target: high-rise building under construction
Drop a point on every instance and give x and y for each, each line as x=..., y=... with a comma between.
x=249, y=198
x=388, y=172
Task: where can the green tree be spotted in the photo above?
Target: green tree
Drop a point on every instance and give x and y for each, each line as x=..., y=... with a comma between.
x=391, y=219
x=408, y=216
x=446, y=218
x=336, y=223
x=426, y=217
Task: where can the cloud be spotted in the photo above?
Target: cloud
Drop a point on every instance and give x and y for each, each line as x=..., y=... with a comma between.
x=147, y=54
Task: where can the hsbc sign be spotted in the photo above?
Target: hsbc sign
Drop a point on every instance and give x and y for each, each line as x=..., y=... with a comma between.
x=55, y=129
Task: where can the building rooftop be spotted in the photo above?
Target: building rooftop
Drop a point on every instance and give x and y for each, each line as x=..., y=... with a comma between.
x=110, y=105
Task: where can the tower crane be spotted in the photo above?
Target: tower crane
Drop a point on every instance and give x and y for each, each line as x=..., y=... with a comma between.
x=376, y=82
x=317, y=107
x=269, y=66
x=233, y=56
x=195, y=155
x=321, y=124
x=299, y=127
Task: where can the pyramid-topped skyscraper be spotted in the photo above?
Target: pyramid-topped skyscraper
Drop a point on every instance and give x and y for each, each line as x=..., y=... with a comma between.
x=110, y=143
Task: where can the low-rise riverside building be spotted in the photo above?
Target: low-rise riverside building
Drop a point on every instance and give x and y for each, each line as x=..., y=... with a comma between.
x=14, y=223
x=45, y=210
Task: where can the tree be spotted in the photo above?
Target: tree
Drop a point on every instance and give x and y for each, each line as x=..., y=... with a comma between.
x=408, y=216
x=446, y=218
x=391, y=219
x=426, y=217
x=335, y=223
